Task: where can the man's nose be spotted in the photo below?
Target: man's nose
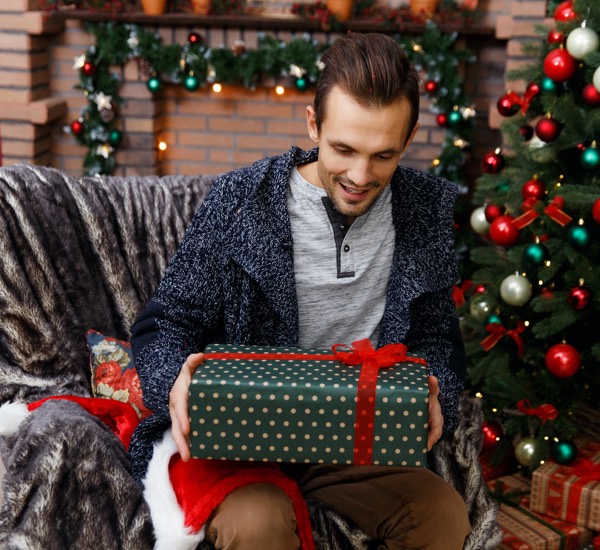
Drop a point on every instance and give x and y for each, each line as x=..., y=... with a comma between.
x=360, y=172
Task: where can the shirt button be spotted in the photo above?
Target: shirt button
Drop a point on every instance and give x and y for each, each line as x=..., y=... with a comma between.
x=346, y=248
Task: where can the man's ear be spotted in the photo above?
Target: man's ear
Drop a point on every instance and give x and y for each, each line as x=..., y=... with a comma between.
x=311, y=124
x=410, y=138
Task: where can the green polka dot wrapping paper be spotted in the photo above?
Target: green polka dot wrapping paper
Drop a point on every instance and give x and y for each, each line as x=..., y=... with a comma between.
x=298, y=405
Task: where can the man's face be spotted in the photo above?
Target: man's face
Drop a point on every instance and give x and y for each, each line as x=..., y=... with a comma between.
x=359, y=150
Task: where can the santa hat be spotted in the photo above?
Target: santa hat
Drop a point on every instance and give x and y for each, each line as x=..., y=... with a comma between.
x=183, y=495
x=120, y=417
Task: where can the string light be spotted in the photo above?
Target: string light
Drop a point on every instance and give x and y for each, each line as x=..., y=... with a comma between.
x=216, y=87
x=279, y=90
x=162, y=145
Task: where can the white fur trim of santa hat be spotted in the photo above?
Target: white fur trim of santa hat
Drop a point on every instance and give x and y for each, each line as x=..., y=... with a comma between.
x=11, y=416
x=167, y=516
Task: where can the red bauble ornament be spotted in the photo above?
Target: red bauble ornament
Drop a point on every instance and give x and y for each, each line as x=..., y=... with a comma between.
x=548, y=129
x=560, y=65
x=194, y=38
x=431, y=86
x=442, y=119
x=77, y=127
x=492, y=434
x=88, y=68
x=492, y=211
x=562, y=360
x=596, y=210
x=590, y=96
x=509, y=104
x=564, y=11
x=533, y=188
x=503, y=232
x=555, y=37
x=493, y=162
x=578, y=297
x=479, y=289
x=526, y=132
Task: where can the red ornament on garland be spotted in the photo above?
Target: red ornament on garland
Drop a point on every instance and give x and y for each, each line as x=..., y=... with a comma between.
x=88, y=68
x=555, y=37
x=77, y=127
x=533, y=188
x=509, y=104
x=431, y=86
x=560, y=65
x=596, y=210
x=563, y=360
x=442, y=120
x=492, y=211
x=564, y=11
x=590, y=96
x=492, y=434
x=548, y=129
x=503, y=232
x=493, y=162
x=578, y=297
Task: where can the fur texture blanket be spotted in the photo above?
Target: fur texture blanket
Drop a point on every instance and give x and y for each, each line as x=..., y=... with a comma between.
x=88, y=253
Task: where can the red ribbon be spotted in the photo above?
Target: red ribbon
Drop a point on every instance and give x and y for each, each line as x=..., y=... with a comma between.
x=529, y=213
x=555, y=213
x=544, y=412
x=362, y=353
x=497, y=331
x=585, y=469
x=458, y=292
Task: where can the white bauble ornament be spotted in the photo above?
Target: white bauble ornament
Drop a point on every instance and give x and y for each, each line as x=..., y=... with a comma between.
x=516, y=290
x=596, y=79
x=479, y=222
x=582, y=41
x=525, y=450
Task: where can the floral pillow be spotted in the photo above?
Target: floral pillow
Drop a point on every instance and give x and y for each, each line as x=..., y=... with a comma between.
x=113, y=371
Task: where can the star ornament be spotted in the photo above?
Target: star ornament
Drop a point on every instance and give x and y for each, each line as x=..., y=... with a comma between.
x=104, y=150
x=78, y=62
x=102, y=100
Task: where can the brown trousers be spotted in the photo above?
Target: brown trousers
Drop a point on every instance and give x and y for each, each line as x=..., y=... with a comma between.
x=402, y=508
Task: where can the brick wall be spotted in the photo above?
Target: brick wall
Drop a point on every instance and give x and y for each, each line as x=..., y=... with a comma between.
x=208, y=132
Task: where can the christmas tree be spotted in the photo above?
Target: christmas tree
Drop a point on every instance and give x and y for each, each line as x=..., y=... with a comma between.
x=532, y=311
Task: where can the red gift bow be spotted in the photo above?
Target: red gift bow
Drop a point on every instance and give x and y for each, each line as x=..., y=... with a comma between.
x=458, y=292
x=585, y=469
x=497, y=331
x=544, y=412
x=360, y=352
x=529, y=213
x=555, y=213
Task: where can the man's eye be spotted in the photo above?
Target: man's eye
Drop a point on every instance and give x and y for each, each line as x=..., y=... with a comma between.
x=342, y=151
x=384, y=157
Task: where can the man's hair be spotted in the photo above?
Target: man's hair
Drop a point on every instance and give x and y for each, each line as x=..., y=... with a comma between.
x=373, y=69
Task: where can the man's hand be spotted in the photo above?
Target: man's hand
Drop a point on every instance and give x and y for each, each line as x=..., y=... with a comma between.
x=178, y=405
x=436, y=420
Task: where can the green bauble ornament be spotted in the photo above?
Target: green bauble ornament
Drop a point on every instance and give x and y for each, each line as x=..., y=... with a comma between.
x=590, y=158
x=548, y=85
x=454, y=118
x=301, y=84
x=535, y=254
x=525, y=450
x=191, y=82
x=502, y=187
x=115, y=137
x=493, y=318
x=579, y=236
x=564, y=452
x=154, y=84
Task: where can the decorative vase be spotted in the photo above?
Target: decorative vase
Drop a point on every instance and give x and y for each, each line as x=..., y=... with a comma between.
x=425, y=8
x=201, y=7
x=154, y=7
x=342, y=9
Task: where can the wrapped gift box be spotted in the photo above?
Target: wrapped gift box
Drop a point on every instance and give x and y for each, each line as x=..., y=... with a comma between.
x=298, y=405
x=570, y=492
x=527, y=530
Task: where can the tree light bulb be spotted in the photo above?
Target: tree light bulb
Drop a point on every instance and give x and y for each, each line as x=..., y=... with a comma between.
x=279, y=90
x=216, y=87
x=162, y=145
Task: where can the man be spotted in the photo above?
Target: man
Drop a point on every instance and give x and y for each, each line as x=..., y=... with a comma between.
x=310, y=249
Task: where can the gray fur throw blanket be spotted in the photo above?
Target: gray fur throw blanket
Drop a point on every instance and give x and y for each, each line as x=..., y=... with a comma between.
x=81, y=253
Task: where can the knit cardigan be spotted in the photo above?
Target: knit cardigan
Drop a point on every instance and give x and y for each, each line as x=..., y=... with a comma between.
x=232, y=281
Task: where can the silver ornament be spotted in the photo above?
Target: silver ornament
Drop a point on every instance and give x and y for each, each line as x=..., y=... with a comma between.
x=478, y=221
x=582, y=41
x=516, y=290
x=524, y=451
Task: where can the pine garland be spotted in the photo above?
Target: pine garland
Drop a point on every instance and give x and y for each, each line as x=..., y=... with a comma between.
x=195, y=65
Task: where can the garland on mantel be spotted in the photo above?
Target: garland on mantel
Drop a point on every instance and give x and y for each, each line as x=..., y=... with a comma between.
x=273, y=62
